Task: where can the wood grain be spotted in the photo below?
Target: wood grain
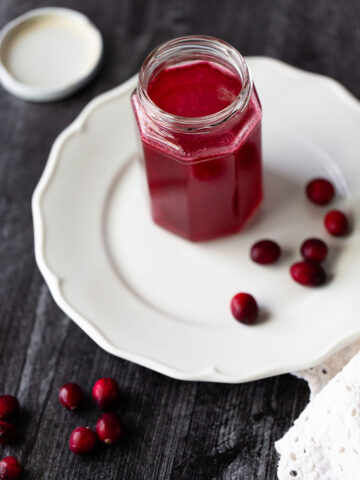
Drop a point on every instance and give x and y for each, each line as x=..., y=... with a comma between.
x=175, y=430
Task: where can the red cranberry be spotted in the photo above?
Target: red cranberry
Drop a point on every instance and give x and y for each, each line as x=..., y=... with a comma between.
x=82, y=440
x=9, y=468
x=265, y=252
x=336, y=223
x=244, y=308
x=71, y=396
x=320, y=191
x=105, y=392
x=7, y=433
x=308, y=273
x=9, y=407
x=109, y=428
x=314, y=249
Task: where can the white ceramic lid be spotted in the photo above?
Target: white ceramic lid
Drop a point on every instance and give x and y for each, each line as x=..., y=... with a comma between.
x=48, y=53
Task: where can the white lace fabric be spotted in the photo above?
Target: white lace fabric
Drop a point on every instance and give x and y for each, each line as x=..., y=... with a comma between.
x=317, y=377
x=324, y=442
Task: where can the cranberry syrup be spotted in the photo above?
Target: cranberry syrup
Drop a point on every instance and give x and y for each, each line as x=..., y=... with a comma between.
x=202, y=185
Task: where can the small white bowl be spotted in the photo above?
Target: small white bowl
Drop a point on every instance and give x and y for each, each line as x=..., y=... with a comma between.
x=49, y=53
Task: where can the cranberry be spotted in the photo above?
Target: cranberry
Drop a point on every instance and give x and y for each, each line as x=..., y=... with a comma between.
x=7, y=433
x=9, y=468
x=109, y=428
x=314, y=249
x=9, y=407
x=244, y=308
x=265, y=252
x=71, y=396
x=336, y=223
x=82, y=440
x=105, y=392
x=320, y=191
x=308, y=273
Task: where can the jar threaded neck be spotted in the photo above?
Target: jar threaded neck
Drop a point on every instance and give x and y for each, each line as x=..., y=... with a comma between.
x=193, y=48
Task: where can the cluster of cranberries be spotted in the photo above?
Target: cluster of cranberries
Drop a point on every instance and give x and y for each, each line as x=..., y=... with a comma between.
x=9, y=408
x=309, y=271
x=109, y=427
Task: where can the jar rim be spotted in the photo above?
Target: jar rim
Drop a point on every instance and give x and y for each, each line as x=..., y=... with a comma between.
x=192, y=45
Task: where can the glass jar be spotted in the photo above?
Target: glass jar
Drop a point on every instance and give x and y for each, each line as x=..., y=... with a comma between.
x=203, y=171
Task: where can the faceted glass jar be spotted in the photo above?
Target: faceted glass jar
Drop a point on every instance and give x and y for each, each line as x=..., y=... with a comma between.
x=204, y=173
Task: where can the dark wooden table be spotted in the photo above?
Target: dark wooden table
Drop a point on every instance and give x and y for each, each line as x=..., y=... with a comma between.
x=175, y=430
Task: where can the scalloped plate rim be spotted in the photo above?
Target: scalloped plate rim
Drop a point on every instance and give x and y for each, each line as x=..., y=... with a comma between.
x=212, y=373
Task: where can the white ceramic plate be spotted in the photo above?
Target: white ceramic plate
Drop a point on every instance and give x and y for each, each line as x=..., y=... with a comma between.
x=148, y=296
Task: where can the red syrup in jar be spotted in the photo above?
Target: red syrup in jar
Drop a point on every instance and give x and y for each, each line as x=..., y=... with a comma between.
x=194, y=89
x=203, y=184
